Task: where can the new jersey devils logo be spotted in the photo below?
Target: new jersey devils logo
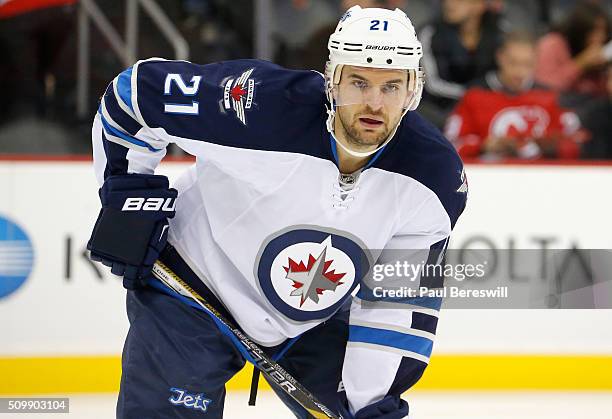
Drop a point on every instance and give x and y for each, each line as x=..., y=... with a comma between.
x=520, y=122
x=308, y=273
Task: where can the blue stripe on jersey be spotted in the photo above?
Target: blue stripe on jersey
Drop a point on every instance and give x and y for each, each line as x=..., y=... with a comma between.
x=129, y=124
x=427, y=302
x=391, y=338
x=111, y=130
x=334, y=150
x=124, y=87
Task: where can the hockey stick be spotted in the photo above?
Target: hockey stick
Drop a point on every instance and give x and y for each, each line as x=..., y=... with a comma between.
x=252, y=351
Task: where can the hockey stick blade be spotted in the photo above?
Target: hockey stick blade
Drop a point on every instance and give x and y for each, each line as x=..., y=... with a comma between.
x=269, y=368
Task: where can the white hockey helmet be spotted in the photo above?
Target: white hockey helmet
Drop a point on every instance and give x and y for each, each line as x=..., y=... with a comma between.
x=374, y=38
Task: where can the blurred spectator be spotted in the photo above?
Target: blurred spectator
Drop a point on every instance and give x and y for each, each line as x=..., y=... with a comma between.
x=313, y=54
x=524, y=15
x=38, y=40
x=37, y=78
x=420, y=12
x=216, y=30
x=571, y=58
x=506, y=115
x=10, y=8
x=293, y=25
x=558, y=10
x=597, y=119
x=32, y=38
x=458, y=47
x=347, y=4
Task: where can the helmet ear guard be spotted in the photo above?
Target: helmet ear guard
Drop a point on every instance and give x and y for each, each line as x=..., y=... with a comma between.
x=415, y=84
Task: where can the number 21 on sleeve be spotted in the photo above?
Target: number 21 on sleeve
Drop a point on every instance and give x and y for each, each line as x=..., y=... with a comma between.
x=186, y=90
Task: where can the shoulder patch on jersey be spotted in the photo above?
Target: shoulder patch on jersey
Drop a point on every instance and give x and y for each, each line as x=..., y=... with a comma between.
x=464, y=183
x=307, y=273
x=238, y=94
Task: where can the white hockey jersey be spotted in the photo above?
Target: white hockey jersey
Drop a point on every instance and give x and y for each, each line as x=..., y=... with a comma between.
x=262, y=217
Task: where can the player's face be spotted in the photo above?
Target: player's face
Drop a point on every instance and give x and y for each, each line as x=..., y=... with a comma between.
x=516, y=62
x=370, y=103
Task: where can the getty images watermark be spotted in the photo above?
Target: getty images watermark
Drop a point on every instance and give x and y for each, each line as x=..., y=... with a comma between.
x=406, y=271
x=512, y=278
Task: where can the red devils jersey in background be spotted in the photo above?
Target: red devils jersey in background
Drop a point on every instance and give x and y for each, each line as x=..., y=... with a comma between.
x=488, y=110
x=9, y=8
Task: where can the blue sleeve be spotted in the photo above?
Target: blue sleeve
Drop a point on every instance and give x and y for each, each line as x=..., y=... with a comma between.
x=245, y=104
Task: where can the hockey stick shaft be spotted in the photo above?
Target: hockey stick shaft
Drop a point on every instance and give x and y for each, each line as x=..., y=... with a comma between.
x=269, y=368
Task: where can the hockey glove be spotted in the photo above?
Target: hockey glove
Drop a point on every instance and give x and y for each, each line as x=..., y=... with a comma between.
x=132, y=227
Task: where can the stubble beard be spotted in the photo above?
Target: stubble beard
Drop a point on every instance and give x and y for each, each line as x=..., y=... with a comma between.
x=354, y=134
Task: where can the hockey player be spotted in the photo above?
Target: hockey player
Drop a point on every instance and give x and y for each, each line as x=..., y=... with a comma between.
x=297, y=177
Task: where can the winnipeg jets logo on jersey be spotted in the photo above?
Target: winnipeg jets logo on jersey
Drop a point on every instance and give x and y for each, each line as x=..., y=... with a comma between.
x=238, y=94
x=308, y=273
x=314, y=285
x=311, y=280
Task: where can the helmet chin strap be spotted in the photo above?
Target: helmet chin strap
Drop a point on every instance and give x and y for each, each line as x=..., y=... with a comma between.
x=331, y=116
